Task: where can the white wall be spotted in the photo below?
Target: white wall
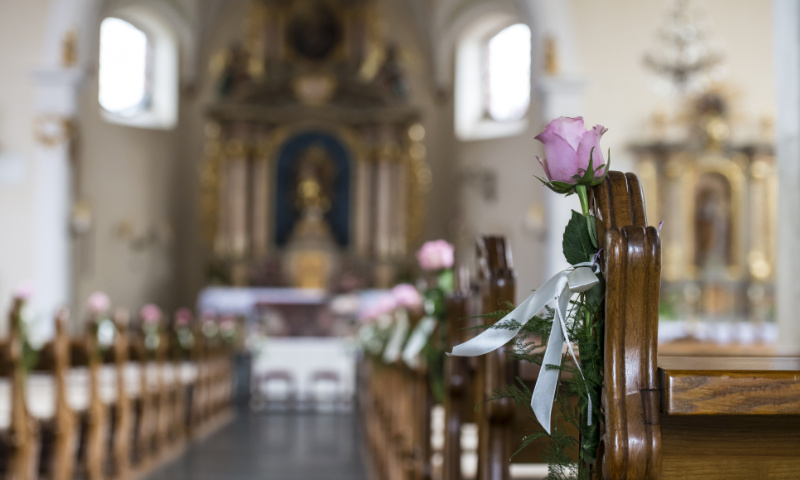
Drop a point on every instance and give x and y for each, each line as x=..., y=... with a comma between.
x=21, y=37
x=613, y=37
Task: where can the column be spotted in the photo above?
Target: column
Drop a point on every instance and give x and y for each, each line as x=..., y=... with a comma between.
x=386, y=207
x=787, y=78
x=561, y=96
x=363, y=200
x=261, y=197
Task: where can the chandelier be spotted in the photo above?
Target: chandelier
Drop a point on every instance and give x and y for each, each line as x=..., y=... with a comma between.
x=685, y=61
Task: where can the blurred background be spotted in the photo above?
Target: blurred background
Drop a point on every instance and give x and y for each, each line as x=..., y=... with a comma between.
x=278, y=161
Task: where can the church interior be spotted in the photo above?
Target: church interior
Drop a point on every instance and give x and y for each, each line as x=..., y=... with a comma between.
x=269, y=239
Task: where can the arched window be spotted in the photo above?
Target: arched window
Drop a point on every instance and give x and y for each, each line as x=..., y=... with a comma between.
x=126, y=67
x=507, y=84
x=138, y=68
x=493, y=78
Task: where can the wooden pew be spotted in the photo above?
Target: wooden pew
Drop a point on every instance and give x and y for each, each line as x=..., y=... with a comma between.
x=71, y=415
x=680, y=417
x=48, y=401
x=122, y=420
x=19, y=432
x=501, y=425
x=496, y=280
x=86, y=392
x=459, y=378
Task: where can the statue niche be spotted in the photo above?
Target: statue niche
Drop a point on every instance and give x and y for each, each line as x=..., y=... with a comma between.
x=311, y=251
x=713, y=223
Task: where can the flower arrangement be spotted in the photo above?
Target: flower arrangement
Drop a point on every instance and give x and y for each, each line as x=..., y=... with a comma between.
x=437, y=258
x=376, y=319
x=151, y=319
x=385, y=330
x=227, y=329
x=183, y=329
x=99, y=307
x=573, y=163
x=22, y=318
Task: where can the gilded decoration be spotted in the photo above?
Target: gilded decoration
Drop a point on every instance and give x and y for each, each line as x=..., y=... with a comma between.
x=718, y=203
x=312, y=79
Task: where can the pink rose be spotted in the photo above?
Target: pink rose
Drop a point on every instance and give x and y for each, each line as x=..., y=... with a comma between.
x=385, y=305
x=407, y=296
x=24, y=291
x=435, y=255
x=150, y=313
x=227, y=323
x=567, y=147
x=98, y=302
x=183, y=317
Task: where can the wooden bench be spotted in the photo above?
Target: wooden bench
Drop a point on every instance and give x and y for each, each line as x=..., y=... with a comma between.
x=72, y=414
x=397, y=407
x=680, y=417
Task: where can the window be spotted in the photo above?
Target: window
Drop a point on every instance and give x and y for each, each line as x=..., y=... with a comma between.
x=126, y=65
x=508, y=74
x=138, y=68
x=493, y=78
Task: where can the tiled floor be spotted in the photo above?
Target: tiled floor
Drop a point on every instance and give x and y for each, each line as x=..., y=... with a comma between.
x=274, y=446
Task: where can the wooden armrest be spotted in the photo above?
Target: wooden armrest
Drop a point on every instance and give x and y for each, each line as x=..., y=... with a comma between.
x=730, y=386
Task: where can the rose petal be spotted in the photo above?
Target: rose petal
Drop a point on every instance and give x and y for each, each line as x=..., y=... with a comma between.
x=570, y=129
x=98, y=302
x=560, y=157
x=591, y=139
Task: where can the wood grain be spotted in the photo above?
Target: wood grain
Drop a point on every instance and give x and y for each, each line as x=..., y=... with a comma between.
x=456, y=379
x=730, y=386
x=631, y=445
x=730, y=447
x=497, y=284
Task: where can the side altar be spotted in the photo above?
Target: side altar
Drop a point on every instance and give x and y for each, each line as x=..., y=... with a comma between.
x=314, y=173
x=717, y=197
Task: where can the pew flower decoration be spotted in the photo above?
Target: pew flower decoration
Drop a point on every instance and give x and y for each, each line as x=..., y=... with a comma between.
x=208, y=325
x=227, y=329
x=151, y=320
x=428, y=339
x=21, y=316
x=565, y=310
x=99, y=306
x=377, y=323
x=98, y=303
x=183, y=329
x=574, y=162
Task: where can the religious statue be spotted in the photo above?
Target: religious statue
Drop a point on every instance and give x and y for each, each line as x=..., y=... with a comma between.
x=311, y=248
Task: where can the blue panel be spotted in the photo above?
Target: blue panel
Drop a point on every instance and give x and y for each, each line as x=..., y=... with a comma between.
x=338, y=217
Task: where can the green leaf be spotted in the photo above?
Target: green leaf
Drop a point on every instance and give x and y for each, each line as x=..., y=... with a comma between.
x=446, y=280
x=596, y=295
x=605, y=172
x=558, y=187
x=588, y=175
x=577, y=244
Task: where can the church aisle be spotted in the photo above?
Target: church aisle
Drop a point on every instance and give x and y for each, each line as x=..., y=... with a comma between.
x=274, y=446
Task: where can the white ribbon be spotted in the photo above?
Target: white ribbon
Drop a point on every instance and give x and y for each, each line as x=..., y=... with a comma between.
x=417, y=340
x=576, y=279
x=395, y=345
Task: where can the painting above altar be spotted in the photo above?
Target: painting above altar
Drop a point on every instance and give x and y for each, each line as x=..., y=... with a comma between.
x=314, y=173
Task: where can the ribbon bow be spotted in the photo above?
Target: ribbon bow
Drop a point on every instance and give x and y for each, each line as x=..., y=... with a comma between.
x=576, y=279
x=417, y=340
x=394, y=348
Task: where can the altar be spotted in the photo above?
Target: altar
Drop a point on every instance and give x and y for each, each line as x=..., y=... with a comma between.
x=314, y=174
x=275, y=312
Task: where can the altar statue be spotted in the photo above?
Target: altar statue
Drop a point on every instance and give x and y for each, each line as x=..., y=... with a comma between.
x=311, y=251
